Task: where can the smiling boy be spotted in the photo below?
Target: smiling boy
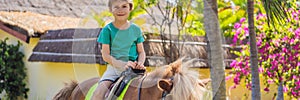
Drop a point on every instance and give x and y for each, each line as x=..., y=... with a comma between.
x=122, y=46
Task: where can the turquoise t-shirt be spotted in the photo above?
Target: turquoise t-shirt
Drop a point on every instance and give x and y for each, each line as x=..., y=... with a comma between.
x=123, y=43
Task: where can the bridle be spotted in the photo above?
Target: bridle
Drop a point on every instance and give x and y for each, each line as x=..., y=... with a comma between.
x=164, y=94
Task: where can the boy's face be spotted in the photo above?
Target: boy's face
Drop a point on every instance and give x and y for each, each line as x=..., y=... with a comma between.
x=120, y=10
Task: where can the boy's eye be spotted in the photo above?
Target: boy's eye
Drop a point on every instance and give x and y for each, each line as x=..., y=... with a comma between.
x=124, y=6
x=116, y=7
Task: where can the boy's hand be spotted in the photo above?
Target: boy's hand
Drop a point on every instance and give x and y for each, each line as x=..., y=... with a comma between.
x=140, y=66
x=135, y=65
x=131, y=64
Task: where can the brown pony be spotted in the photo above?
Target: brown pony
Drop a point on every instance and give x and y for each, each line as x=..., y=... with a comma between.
x=170, y=82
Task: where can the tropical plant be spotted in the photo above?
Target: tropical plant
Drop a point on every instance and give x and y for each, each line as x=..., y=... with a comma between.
x=278, y=52
x=12, y=71
x=230, y=11
x=165, y=14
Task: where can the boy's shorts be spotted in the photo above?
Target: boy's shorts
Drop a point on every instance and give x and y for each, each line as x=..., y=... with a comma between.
x=111, y=73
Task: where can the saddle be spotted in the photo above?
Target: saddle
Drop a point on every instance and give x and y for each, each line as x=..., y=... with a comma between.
x=122, y=81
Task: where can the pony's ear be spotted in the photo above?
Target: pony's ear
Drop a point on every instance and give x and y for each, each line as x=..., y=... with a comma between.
x=175, y=66
x=165, y=85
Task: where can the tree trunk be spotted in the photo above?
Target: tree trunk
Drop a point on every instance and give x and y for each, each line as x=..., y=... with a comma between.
x=280, y=91
x=215, y=50
x=253, y=53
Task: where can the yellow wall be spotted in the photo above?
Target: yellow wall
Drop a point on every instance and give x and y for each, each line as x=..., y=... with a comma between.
x=45, y=78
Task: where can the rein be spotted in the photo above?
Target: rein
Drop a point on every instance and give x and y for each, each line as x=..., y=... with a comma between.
x=140, y=87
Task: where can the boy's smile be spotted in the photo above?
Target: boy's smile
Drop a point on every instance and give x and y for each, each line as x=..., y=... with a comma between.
x=121, y=10
x=121, y=14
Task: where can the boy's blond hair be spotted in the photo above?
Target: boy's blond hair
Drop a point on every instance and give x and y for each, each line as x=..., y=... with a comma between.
x=111, y=1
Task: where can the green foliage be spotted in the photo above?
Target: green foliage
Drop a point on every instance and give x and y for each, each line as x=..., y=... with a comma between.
x=186, y=14
x=98, y=17
x=136, y=11
x=230, y=12
x=276, y=11
x=12, y=71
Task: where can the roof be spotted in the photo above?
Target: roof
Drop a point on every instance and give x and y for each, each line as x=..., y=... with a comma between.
x=80, y=46
x=37, y=23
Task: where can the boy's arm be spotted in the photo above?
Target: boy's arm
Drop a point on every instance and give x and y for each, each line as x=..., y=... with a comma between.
x=108, y=58
x=142, y=56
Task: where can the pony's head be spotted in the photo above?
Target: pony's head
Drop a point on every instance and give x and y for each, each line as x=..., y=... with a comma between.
x=178, y=82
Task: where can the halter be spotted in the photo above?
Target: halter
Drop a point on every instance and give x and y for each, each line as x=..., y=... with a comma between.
x=163, y=96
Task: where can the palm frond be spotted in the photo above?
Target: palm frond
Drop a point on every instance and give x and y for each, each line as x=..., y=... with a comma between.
x=276, y=11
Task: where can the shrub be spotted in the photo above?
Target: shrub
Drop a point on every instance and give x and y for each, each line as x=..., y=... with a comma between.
x=12, y=71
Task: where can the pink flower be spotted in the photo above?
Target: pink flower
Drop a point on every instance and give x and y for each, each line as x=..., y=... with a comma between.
x=270, y=74
x=292, y=41
x=294, y=77
x=237, y=25
x=259, y=16
x=290, y=29
x=242, y=20
x=228, y=77
x=232, y=87
x=236, y=80
x=260, y=70
x=246, y=31
x=297, y=31
x=244, y=71
x=285, y=38
x=266, y=89
x=285, y=89
x=233, y=63
x=284, y=50
x=270, y=81
x=235, y=39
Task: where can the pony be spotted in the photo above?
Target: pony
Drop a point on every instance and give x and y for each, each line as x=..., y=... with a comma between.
x=170, y=82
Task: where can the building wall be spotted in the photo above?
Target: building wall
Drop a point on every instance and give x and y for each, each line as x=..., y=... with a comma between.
x=47, y=78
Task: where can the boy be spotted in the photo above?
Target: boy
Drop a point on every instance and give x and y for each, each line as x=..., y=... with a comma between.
x=122, y=46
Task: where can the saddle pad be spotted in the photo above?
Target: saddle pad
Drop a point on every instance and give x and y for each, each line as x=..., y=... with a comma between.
x=91, y=91
x=124, y=91
x=93, y=88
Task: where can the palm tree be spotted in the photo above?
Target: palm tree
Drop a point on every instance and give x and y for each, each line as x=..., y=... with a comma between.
x=276, y=13
x=253, y=53
x=215, y=50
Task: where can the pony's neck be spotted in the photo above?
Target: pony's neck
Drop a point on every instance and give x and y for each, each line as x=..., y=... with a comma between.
x=148, y=90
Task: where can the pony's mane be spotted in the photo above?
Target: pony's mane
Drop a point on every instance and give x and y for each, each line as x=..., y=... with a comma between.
x=186, y=85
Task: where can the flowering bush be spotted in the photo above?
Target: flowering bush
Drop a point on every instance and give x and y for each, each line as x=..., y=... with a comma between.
x=278, y=53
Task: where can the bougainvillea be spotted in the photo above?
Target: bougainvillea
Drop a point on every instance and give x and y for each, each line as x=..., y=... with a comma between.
x=278, y=53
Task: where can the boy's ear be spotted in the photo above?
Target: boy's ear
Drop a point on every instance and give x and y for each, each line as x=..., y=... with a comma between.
x=130, y=6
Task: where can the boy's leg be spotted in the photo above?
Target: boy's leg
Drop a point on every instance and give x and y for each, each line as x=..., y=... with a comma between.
x=102, y=88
